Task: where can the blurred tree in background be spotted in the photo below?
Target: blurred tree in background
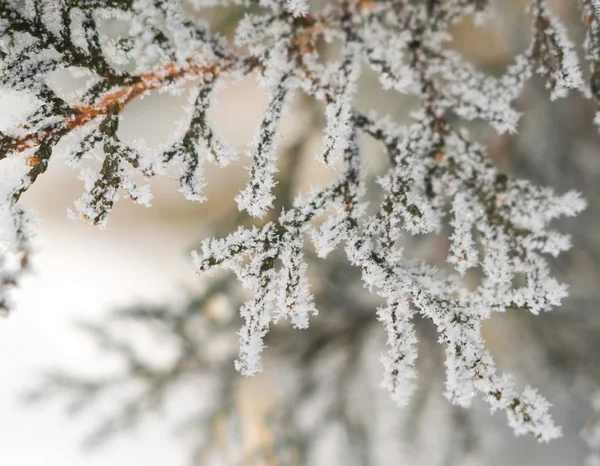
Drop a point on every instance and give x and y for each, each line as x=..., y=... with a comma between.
x=424, y=207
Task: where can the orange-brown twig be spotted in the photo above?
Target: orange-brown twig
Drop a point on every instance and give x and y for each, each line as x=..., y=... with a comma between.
x=84, y=114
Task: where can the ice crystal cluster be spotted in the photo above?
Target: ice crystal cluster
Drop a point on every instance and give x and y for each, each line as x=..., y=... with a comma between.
x=440, y=179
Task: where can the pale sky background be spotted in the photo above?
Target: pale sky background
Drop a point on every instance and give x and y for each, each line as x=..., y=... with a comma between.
x=76, y=277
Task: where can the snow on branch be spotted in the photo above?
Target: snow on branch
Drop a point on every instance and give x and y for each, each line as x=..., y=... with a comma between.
x=257, y=197
x=554, y=52
x=338, y=111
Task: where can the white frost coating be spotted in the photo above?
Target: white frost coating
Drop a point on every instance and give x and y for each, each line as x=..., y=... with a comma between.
x=13, y=173
x=331, y=232
x=297, y=7
x=218, y=151
x=256, y=274
x=139, y=193
x=257, y=197
x=192, y=183
x=463, y=251
x=399, y=363
x=596, y=4
x=475, y=95
x=339, y=112
x=556, y=42
x=257, y=316
x=15, y=229
x=294, y=300
x=258, y=33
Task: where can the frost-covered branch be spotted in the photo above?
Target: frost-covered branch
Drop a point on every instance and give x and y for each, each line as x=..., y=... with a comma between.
x=440, y=179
